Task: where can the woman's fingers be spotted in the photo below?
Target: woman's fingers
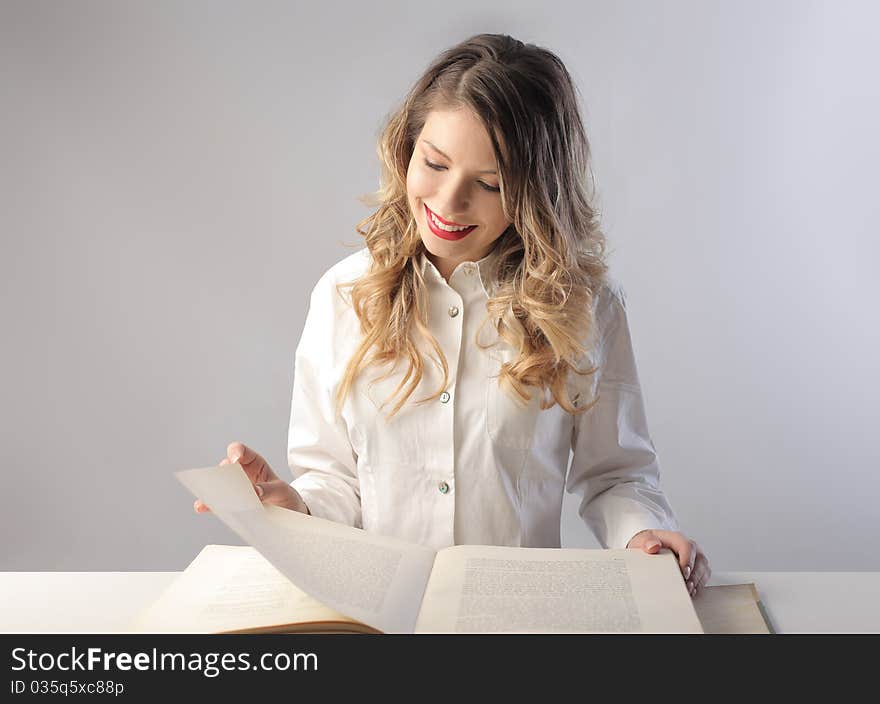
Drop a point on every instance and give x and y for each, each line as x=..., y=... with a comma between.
x=241, y=453
x=267, y=485
x=692, y=561
x=275, y=493
x=235, y=451
x=694, y=549
x=683, y=549
x=199, y=507
x=257, y=469
x=702, y=572
x=279, y=493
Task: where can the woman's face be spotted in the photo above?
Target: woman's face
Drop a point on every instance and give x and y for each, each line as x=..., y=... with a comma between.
x=454, y=174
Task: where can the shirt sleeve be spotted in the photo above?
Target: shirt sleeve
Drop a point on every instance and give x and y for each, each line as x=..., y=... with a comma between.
x=319, y=453
x=614, y=466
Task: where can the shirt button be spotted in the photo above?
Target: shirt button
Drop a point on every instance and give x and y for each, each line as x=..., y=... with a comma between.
x=444, y=397
x=453, y=311
x=443, y=487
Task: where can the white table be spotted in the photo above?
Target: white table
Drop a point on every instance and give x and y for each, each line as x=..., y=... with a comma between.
x=104, y=602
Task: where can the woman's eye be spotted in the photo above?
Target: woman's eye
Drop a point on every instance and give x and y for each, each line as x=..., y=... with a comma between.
x=437, y=167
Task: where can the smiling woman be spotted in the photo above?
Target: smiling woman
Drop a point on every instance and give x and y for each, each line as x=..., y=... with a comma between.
x=462, y=215
x=481, y=309
x=490, y=137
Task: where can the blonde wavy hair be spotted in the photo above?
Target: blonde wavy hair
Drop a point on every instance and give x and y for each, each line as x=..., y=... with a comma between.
x=551, y=260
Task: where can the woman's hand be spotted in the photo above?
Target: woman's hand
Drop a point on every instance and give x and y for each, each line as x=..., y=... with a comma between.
x=691, y=559
x=267, y=485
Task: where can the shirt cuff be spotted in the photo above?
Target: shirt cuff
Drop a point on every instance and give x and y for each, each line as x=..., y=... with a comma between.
x=614, y=520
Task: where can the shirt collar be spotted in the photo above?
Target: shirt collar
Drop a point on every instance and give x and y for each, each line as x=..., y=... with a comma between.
x=485, y=266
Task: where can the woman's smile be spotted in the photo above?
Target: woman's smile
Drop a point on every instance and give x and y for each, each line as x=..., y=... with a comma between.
x=436, y=224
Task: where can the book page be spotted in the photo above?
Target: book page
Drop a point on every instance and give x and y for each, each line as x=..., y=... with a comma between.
x=731, y=608
x=491, y=589
x=371, y=578
x=230, y=588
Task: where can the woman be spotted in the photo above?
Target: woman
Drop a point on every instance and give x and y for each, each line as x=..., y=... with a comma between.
x=481, y=317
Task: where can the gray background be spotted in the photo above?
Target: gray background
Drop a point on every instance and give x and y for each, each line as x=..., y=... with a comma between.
x=174, y=178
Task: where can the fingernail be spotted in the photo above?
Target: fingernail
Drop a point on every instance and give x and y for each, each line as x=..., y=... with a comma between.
x=687, y=571
x=259, y=490
x=652, y=545
x=235, y=458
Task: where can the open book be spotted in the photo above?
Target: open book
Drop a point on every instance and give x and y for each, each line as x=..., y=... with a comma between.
x=234, y=589
x=330, y=577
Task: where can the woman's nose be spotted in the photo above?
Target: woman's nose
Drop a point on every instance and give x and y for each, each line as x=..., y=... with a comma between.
x=454, y=200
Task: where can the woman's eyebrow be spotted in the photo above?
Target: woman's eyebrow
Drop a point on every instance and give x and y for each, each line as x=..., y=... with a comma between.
x=437, y=149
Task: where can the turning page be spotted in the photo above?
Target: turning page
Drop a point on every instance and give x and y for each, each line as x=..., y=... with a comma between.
x=492, y=589
x=374, y=579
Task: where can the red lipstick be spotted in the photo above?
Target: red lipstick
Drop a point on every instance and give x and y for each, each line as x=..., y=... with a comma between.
x=443, y=234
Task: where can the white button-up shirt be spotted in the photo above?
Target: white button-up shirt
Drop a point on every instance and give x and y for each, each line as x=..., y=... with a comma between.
x=471, y=466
